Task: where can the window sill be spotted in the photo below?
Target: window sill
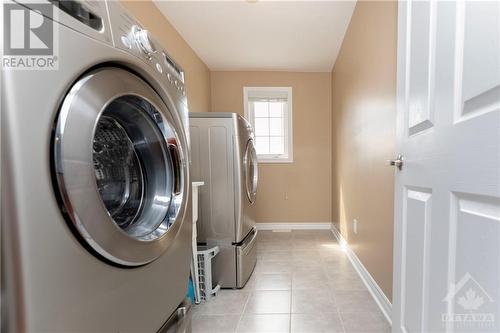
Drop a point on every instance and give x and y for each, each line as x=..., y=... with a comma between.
x=274, y=160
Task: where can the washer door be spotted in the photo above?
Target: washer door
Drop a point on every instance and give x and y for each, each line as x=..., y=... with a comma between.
x=251, y=171
x=120, y=167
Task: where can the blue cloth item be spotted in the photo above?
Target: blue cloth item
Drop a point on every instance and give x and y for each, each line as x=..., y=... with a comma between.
x=190, y=291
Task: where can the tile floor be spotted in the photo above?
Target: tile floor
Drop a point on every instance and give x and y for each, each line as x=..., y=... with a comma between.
x=303, y=282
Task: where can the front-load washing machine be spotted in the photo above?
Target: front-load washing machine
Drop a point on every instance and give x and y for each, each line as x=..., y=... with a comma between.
x=224, y=158
x=95, y=181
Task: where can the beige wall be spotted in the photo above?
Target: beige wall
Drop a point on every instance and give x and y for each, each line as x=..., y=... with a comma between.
x=299, y=191
x=197, y=73
x=364, y=118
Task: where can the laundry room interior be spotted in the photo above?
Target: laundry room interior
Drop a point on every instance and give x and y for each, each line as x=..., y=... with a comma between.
x=339, y=61
x=250, y=166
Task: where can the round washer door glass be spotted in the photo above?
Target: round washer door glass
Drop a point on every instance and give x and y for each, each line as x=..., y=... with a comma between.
x=250, y=165
x=120, y=167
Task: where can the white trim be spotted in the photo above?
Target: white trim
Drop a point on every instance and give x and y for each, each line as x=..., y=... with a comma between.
x=370, y=283
x=265, y=160
x=288, y=158
x=294, y=226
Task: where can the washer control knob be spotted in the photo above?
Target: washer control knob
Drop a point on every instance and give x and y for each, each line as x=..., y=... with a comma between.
x=141, y=37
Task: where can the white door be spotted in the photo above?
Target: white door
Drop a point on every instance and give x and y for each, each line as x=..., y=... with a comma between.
x=447, y=231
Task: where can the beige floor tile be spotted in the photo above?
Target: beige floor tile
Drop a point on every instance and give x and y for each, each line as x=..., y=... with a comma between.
x=310, y=273
x=226, y=302
x=266, y=302
x=278, y=245
x=280, y=281
x=306, y=255
x=340, y=267
x=346, y=282
x=276, y=256
x=265, y=235
x=337, y=264
x=333, y=255
x=326, y=237
x=215, y=323
x=355, y=301
x=356, y=322
x=316, y=323
x=252, y=323
x=304, y=244
x=302, y=271
x=312, y=301
x=273, y=267
x=307, y=265
x=329, y=249
x=297, y=237
x=298, y=268
x=310, y=280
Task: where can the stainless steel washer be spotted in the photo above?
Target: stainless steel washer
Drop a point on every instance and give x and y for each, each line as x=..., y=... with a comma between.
x=224, y=157
x=96, y=234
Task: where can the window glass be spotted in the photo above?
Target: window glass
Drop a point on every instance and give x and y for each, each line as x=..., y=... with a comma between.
x=261, y=126
x=276, y=145
x=261, y=109
x=275, y=126
x=276, y=109
x=262, y=144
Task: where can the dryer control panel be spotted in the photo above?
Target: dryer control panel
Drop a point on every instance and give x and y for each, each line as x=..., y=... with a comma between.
x=129, y=35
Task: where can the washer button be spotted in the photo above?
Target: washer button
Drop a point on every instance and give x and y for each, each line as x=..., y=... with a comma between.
x=159, y=68
x=126, y=42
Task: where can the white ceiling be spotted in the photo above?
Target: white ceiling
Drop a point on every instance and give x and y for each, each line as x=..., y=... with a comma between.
x=262, y=35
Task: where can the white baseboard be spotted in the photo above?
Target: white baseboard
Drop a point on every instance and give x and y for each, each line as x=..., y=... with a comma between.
x=370, y=283
x=294, y=226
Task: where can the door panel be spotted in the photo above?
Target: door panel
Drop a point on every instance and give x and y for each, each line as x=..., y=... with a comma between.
x=421, y=61
x=416, y=224
x=475, y=245
x=447, y=228
x=480, y=79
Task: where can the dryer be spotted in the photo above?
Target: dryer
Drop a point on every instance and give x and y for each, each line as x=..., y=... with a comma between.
x=96, y=234
x=224, y=157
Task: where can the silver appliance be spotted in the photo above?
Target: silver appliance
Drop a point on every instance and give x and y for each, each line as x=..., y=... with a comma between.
x=223, y=156
x=96, y=234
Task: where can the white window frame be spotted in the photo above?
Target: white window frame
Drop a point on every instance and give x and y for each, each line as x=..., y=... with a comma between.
x=288, y=137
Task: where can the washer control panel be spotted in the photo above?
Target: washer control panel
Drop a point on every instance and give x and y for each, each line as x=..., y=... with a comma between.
x=129, y=35
x=143, y=40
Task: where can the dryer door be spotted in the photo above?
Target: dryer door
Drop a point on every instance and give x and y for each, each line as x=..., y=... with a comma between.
x=251, y=171
x=120, y=166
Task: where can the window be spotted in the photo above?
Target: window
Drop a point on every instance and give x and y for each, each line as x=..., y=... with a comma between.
x=269, y=110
